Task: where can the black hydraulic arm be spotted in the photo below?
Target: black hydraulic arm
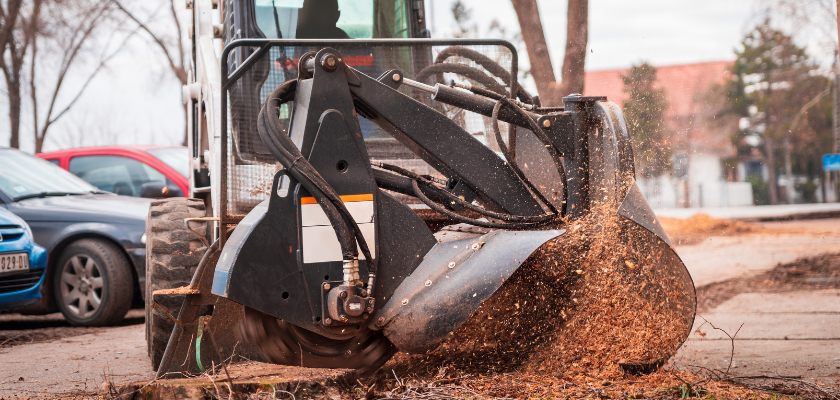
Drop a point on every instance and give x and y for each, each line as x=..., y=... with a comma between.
x=444, y=145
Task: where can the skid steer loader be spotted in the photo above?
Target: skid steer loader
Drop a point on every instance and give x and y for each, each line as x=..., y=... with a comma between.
x=358, y=189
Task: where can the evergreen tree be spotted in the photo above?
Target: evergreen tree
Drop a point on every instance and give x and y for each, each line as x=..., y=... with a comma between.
x=773, y=81
x=645, y=114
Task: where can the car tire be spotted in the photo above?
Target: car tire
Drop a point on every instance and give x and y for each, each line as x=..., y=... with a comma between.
x=172, y=256
x=93, y=284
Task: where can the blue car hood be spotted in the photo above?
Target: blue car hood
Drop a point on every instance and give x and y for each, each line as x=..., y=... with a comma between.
x=7, y=218
x=106, y=208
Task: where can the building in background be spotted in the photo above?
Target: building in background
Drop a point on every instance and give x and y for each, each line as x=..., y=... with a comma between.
x=700, y=176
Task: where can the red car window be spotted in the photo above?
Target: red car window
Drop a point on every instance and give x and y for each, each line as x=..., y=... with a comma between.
x=120, y=175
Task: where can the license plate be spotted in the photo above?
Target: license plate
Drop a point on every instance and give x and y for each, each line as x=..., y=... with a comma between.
x=14, y=262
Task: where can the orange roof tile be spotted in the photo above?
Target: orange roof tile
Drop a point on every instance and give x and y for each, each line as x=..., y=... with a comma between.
x=684, y=85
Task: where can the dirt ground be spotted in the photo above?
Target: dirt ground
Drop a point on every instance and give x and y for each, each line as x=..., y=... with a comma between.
x=56, y=360
x=17, y=330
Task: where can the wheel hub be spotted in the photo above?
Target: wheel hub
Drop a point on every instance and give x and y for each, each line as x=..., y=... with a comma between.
x=84, y=284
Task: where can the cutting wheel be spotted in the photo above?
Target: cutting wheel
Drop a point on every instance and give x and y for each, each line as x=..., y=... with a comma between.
x=284, y=343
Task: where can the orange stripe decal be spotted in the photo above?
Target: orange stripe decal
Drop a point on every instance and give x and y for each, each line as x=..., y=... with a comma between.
x=347, y=199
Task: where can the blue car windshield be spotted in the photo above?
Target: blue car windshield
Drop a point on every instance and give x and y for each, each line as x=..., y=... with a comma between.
x=23, y=175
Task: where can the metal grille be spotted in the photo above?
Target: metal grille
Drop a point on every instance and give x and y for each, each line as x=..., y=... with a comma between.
x=20, y=281
x=256, y=67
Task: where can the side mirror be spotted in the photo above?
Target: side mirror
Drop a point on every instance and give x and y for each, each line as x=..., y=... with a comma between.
x=155, y=190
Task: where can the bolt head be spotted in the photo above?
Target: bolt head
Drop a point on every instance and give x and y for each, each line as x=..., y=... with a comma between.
x=363, y=293
x=329, y=62
x=405, y=302
x=327, y=321
x=343, y=295
x=396, y=77
x=428, y=283
x=546, y=123
x=326, y=286
x=452, y=264
x=476, y=246
x=380, y=321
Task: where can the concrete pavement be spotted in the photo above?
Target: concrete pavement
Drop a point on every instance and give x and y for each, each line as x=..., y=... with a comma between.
x=752, y=212
x=719, y=258
x=781, y=334
x=77, y=363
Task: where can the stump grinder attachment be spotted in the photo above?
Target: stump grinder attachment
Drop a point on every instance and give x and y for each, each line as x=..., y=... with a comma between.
x=352, y=258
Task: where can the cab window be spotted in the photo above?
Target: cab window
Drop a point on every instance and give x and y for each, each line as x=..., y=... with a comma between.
x=332, y=19
x=116, y=174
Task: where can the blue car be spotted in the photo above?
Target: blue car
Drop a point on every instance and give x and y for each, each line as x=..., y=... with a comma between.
x=22, y=263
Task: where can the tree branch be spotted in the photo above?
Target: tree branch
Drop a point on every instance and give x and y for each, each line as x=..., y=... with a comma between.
x=156, y=39
x=99, y=67
x=180, y=70
x=69, y=57
x=795, y=123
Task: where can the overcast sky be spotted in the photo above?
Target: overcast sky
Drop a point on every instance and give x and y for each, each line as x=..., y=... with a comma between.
x=624, y=32
x=141, y=100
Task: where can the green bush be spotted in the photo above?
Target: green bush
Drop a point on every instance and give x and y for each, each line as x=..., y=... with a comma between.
x=808, y=190
x=761, y=193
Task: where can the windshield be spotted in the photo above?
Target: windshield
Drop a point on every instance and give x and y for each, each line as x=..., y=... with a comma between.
x=176, y=157
x=22, y=174
x=332, y=19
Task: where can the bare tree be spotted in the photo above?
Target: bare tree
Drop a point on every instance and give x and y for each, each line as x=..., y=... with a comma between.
x=55, y=47
x=19, y=26
x=572, y=73
x=819, y=19
x=167, y=39
x=73, y=41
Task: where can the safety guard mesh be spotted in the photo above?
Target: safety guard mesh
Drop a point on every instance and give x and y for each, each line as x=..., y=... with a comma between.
x=249, y=167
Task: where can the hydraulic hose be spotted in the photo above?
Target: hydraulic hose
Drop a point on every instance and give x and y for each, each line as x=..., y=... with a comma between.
x=420, y=185
x=492, y=89
x=488, y=64
x=286, y=152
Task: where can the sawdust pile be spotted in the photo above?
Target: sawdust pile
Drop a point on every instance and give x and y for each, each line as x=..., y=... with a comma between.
x=700, y=226
x=634, y=301
x=604, y=293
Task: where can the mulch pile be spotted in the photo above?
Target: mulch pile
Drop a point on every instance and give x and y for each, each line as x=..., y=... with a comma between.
x=605, y=293
x=810, y=273
x=700, y=226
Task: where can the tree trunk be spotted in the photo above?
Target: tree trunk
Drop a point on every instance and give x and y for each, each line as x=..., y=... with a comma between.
x=771, y=170
x=39, y=144
x=551, y=92
x=786, y=149
x=530, y=25
x=836, y=97
x=577, y=35
x=837, y=86
x=186, y=124
x=14, y=114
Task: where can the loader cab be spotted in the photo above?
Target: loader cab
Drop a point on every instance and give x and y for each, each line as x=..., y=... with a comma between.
x=324, y=19
x=331, y=19
x=317, y=20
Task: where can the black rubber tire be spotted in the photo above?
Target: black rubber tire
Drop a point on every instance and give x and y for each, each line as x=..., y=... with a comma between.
x=284, y=343
x=172, y=256
x=112, y=270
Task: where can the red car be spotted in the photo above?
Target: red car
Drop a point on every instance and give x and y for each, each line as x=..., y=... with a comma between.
x=139, y=171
